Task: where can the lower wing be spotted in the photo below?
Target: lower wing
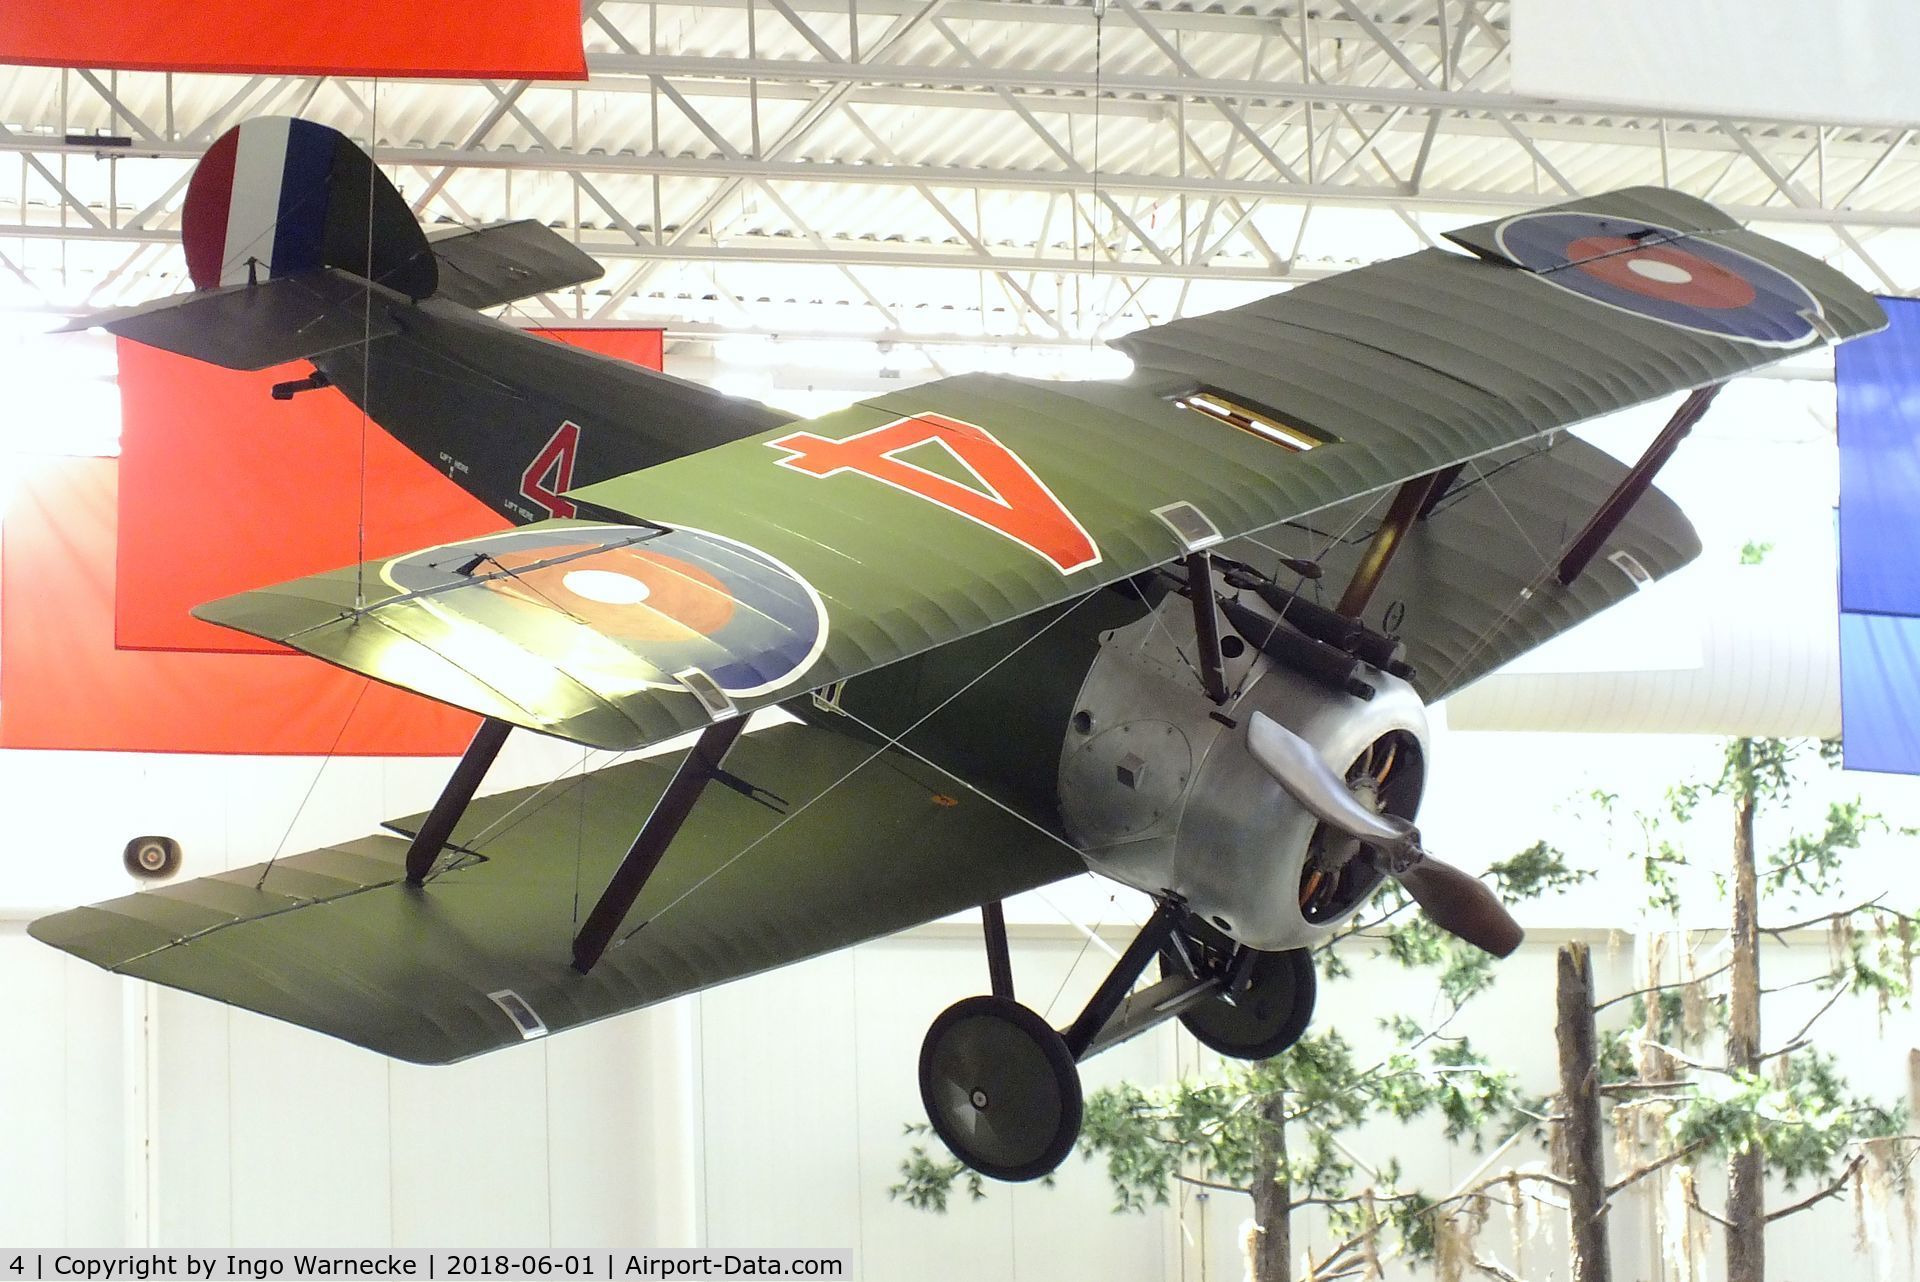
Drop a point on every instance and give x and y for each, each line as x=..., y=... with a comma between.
x=336, y=941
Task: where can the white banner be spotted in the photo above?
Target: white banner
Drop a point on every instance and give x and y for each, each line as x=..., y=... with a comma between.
x=1764, y=59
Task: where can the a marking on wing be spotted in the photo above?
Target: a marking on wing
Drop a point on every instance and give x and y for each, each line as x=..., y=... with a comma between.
x=1011, y=500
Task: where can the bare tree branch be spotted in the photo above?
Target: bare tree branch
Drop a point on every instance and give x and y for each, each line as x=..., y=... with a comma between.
x=1693, y=1200
x=1863, y=906
x=1627, y=1088
x=1661, y=988
x=1641, y=1172
x=1829, y=978
x=1209, y=1184
x=1799, y=1039
x=1832, y=1190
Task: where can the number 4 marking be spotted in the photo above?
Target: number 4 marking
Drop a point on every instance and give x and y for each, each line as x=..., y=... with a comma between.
x=550, y=475
x=1011, y=500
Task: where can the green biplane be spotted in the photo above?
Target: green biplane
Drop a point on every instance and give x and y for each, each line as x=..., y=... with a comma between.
x=1178, y=629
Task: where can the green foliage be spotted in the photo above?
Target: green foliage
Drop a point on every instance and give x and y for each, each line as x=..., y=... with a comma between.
x=926, y=1182
x=1657, y=856
x=1752, y=553
x=1803, y=1120
x=1318, y=1091
x=1798, y=1110
x=1811, y=862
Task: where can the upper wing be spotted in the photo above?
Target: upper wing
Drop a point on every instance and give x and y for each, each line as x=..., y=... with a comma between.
x=1564, y=314
x=817, y=551
x=1472, y=586
x=334, y=940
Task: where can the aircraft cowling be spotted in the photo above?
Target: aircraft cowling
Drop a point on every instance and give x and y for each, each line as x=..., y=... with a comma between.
x=1158, y=788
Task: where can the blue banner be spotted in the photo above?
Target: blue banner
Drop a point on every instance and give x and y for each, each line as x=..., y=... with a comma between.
x=1877, y=381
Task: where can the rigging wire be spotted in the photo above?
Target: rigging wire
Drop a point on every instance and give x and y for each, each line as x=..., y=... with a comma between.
x=892, y=741
x=314, y=782
x=507, y=822
x=1099, y=33
x=1548, y=569
x=580, y=834
x=366, y=350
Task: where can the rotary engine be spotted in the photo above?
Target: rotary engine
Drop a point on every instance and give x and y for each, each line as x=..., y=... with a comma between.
x=1163, y=790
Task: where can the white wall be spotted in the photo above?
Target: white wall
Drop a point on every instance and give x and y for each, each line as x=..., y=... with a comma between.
x=767, y=1113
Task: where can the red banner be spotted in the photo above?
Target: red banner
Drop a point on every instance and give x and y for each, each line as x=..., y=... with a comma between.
x=224, y=489
x=526, y=40
x=64, y=685
x=219, y=489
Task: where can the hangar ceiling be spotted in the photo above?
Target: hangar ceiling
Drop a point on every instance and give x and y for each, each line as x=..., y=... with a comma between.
x=947, y=171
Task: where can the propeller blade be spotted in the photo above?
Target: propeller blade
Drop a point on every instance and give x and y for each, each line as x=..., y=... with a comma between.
x=1461, y=904
x=1456, y=901
x=1299, y=768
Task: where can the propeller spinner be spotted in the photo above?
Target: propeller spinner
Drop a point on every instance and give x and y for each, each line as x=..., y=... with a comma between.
x=1456, y=901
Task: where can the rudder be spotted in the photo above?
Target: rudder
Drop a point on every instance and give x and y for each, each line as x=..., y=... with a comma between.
x=277, y=196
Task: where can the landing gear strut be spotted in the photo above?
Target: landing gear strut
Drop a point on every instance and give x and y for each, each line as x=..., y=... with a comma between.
x=1265, y=1014
x=1002, y=1087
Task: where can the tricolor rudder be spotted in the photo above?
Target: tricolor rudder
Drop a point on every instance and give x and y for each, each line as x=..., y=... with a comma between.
x=276, y=196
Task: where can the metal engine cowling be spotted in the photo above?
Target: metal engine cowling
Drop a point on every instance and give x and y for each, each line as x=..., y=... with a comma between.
x=1157, y=786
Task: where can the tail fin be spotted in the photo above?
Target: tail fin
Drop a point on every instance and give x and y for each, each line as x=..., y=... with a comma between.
x=286, y=222
x=278, y=197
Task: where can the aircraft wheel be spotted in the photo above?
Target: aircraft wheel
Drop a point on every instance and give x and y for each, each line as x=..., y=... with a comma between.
x=1268, y=1017
x=1000, y=1088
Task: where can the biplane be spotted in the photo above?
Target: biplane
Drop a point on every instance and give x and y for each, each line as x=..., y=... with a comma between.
x=1179, y=629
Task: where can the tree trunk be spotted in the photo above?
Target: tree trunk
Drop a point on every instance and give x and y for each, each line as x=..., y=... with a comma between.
x=1583, y=1152
x=1270, y=1253
x=1746, y=1171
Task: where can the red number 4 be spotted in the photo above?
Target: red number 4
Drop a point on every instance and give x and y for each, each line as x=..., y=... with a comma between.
x=1010, y=500
x=550, y=475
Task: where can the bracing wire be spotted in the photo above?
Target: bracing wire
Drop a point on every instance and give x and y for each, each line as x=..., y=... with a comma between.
x=580, y=835
x=313, y=783
x=1099, y=34
x=891, y=741
x=366, y=353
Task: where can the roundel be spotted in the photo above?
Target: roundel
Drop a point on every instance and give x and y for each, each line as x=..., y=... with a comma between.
x=671, y=601
x=1644, y=268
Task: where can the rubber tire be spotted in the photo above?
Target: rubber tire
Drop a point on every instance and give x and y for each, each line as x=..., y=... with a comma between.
x=1269, y=1017
x=1021, y=1053
x=151, y=858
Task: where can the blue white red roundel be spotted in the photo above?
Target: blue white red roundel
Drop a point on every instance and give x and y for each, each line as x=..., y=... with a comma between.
x=655, y=604
x=1693, y=283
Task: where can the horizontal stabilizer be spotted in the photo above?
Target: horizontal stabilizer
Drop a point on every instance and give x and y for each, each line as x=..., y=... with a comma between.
x=488, y=266
x=251, y=327
x=337, y=942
